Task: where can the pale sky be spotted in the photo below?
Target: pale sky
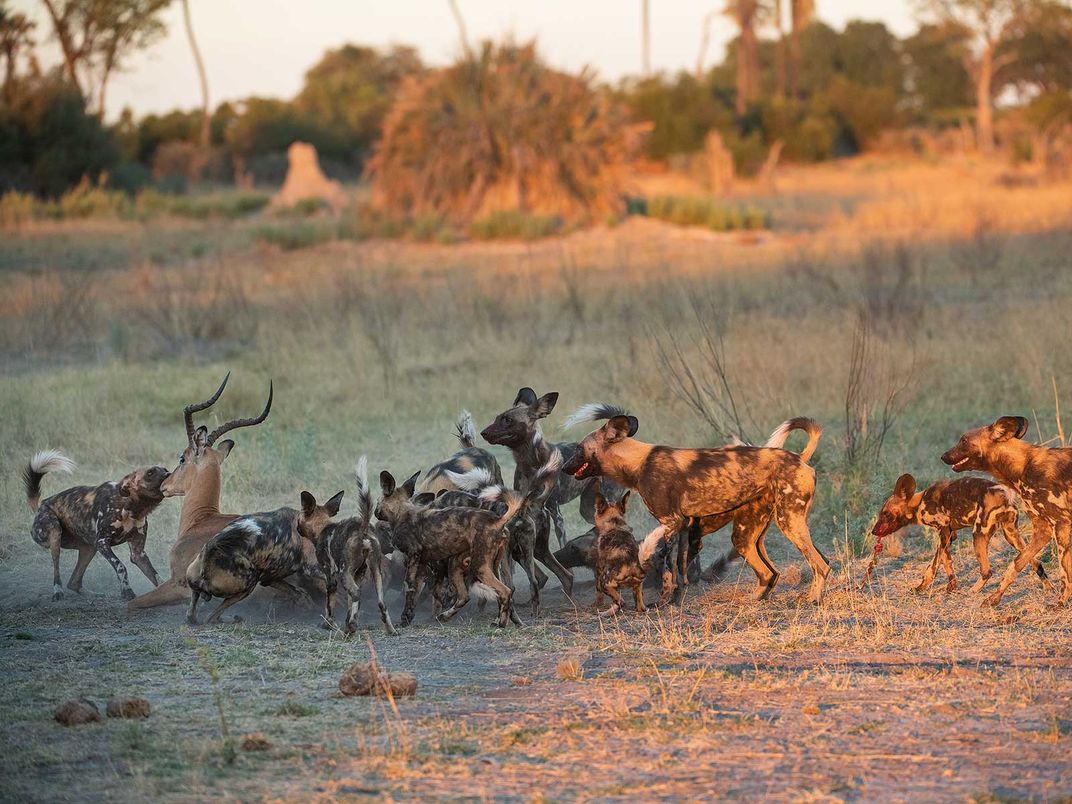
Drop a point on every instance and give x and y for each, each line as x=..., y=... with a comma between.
x=264, y=47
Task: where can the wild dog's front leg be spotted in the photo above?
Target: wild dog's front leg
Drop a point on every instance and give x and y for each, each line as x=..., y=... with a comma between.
x=140, y=559
x=377, y=579
x=981, y=543
x=329, y=604
x=559, y=523
x=412, y=568
x=105, y=549
x=932, y=568
x=1063, y=537
x=611, y=590
x=946, y=537
x=1041, y=533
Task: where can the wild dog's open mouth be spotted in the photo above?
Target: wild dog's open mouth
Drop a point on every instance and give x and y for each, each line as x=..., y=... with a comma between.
x=580, y=471
x=960, y=464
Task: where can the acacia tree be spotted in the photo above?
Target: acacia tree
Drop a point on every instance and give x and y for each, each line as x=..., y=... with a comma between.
x=991, y=24
x=16, y=35
x=96, y=37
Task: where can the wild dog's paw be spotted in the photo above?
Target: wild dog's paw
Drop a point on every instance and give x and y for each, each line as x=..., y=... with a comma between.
x=57, y=595
x=127, y=593
x=993, y=599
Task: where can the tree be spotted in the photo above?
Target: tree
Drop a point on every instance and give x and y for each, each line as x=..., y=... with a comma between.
x=800, y=16
x=1041, y=39
x=937, y=81
x=96, y=37
x=205, y=138
x=16, y=35
x=990, y=23
x=747, y=15
x=645, y=36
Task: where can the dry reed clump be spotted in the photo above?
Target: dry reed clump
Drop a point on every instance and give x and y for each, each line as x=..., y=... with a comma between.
x=503, y=131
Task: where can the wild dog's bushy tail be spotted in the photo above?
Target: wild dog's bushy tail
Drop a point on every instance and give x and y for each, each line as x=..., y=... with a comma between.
x=364, y=496
x=593, y=412
x=474, y=480
x=517, y=503
x=465, y=430
x=809, y=426
x=43, y=462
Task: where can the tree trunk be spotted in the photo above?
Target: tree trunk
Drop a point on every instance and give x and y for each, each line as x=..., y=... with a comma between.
x=780, y=78
x=70, y=57
x=645, y=36
x=984, y=103
x=205, y=140
x=747, y=55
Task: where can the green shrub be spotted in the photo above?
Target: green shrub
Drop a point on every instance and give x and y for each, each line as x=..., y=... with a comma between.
x=87, y=200
x=707, y=212
x=17, y=208
x=297, y=235
x=514, y=224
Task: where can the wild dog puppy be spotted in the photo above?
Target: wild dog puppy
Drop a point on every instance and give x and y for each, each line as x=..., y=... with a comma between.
x=517, y=428
x=257, y=549
x=93, y=520
x=467, y=458
x=701, y=488
x=529, y=533
x=617, y=559
x=427, y=535
x=1040, y=476
x=347, y=551
x=948, y=506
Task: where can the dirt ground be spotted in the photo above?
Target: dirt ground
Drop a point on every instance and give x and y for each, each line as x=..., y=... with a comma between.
x=876, y=695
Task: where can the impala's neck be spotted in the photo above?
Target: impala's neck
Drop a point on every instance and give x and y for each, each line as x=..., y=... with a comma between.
x=202, y=501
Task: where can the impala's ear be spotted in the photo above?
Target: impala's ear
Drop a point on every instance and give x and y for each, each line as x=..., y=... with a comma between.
x=411, y=484
x=526, y=396
x=545, y=404
x=425, y=498
x=334, y=504
x=224, y=448
x=905, y=486
x=308, y=503
x=387, y=483
x=200, y=438
x=623, y=502
x=601, y=503
x=1008, y=427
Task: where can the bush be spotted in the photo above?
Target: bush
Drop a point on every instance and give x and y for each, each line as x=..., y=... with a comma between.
x=294, y=236
x=511, y=224
x=707, y=212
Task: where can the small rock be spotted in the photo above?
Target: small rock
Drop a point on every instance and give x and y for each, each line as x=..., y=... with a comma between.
x=363, y=678
x=76, y=712
x=255, y=742
x=128, y=707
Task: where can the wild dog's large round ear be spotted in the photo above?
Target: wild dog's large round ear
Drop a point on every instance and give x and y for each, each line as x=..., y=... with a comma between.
x=620, y=427
x=224, y=448
x=526, y=396
x=308, y=503
x=623, y=502
x=425, y=498
x=411, y=484
x=334, y=504
x=1008, y=427
x=905, y=486
x=545, y=404
x=601, y=503
x=387, y=483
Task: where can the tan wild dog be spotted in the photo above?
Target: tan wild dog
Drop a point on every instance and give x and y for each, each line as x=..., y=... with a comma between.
x=697, y=489
x=948, y=506
x=1040, y=476
x=197, y=480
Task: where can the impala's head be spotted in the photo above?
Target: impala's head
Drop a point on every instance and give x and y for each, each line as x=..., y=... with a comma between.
x=973, y=451
x=611, y=516
x=900, y=509
x=204, y=452
x=587, y=458
x=396, y=501
x=515, y=425
x=314, y=517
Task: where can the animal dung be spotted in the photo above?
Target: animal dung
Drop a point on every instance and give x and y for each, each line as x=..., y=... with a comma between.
x=128, y=707
x=76, y=712
x=364, y=678
x=255, y=741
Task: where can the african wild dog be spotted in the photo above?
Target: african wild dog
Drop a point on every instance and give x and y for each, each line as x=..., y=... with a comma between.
x=472, y=540
x=466, y=459
x=947, y=506
x=617, y=559
x=196, y=479
x=93, y=520
x=529, y=532
x=517, y=427
x=1040, y=476
x=263, y=549
x=348, y=550
x=699, y=489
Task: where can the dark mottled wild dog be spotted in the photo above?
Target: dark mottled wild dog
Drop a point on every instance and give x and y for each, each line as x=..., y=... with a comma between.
x=948, y=506
x=472, y=540
x=1040, y=476
x=466, y=459
x=617, y=559
x=257, y=549
x=698, y=488
x=197, y=479
x=517, y=427
x=347, y=552
x=93, y=519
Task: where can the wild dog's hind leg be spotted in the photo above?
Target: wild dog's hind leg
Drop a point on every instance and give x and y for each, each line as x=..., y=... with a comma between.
x=555, y=513
x=946, y=536
x=85, y=555
x=377, y=579
x=1013, y=537
x=329, y=603
x=47, y=531
x=1063, y=537
x=688, y=544
x=791, y=514
x=105, y=549
x=932, y=568
x=611, y=590
x=749, y=524
x=981, y=543
x=226, y=604
x=486, y=575
x=457, y=577
x=541, y=551
x=1040, y=536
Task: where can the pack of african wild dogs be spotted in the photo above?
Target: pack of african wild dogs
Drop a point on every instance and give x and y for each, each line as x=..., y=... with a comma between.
x=456, y=529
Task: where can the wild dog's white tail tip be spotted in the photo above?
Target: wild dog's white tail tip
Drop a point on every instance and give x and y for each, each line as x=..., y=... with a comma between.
x=482, y=591
x=473, y=480
x=466, y=430
x=649, y=546
x=490, y=494
x=809, y=426
x=51, y=460
x=364, y=496
x=593, y=412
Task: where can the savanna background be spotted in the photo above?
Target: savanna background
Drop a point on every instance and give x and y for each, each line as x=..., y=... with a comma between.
x=867, y=227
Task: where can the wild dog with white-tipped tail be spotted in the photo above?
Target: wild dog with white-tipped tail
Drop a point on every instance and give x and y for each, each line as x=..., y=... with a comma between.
x=93, y=519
